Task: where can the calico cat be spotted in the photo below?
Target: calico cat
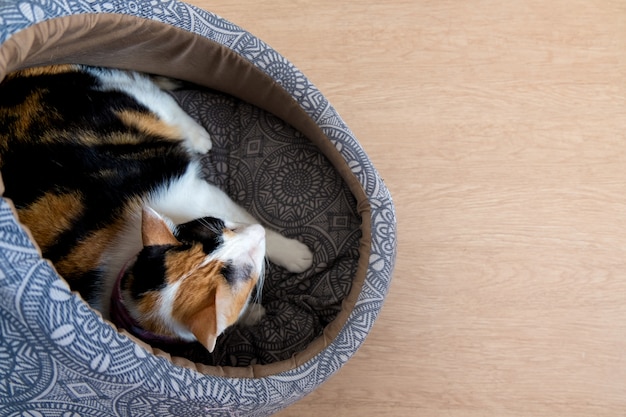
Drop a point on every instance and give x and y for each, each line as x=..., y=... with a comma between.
x=103, y=167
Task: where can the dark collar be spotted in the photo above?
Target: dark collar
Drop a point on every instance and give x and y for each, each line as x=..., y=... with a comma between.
x=121, y=317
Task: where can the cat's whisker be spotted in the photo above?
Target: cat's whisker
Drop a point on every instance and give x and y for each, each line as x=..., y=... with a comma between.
x=211, y=227
x=259, y=291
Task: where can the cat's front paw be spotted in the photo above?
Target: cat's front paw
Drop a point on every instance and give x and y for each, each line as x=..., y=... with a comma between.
x=291, y=254
x=198, y=139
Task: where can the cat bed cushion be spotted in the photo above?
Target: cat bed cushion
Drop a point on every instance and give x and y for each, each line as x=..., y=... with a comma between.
x=280, y=150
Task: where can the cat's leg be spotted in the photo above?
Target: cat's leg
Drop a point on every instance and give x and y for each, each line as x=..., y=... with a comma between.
x=291, y=254
x=191, y=197
x=196, y=138
x=149, y=93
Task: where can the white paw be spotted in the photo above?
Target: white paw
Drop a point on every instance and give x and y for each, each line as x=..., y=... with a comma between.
x=198, y=139
x=253, y=314
x=291, y=254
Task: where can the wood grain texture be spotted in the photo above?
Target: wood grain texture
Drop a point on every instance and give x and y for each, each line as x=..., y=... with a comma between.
x=499, y=128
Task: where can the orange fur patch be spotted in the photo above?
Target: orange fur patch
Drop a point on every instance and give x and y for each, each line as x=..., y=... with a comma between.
x=90, y=138
x=150, y=303
x=150, y=124
x=46, y=70
x=86, y=255
x=179, y=264
x=194, y=291
x=21, y=117
x=50, y=216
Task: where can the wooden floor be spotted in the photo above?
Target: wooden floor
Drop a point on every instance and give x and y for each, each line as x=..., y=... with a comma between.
x=499, y=127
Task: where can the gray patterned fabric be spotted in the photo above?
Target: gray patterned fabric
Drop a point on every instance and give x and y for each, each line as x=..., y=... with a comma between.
x=59, y=358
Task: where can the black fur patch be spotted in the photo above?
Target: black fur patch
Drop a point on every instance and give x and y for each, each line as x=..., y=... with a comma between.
x=233, y=274
x=88, y=284
x=207, y=230
x=149, y=270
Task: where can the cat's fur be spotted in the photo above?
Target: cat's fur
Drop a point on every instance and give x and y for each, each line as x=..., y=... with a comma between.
x=103, y=167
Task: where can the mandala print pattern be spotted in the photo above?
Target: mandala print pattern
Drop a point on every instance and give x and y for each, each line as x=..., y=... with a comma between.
x=296, y=190
x=58, y=358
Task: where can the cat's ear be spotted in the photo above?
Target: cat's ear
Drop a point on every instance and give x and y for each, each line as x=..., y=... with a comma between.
x=209, y=322
x=154, y=229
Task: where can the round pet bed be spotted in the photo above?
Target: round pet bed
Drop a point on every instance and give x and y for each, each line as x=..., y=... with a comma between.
x=280, y=150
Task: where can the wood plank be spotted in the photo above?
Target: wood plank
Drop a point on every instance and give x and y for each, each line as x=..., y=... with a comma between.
x=499, y=128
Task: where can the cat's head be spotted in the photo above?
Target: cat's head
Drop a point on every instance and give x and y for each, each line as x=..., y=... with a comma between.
x=196, y=281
